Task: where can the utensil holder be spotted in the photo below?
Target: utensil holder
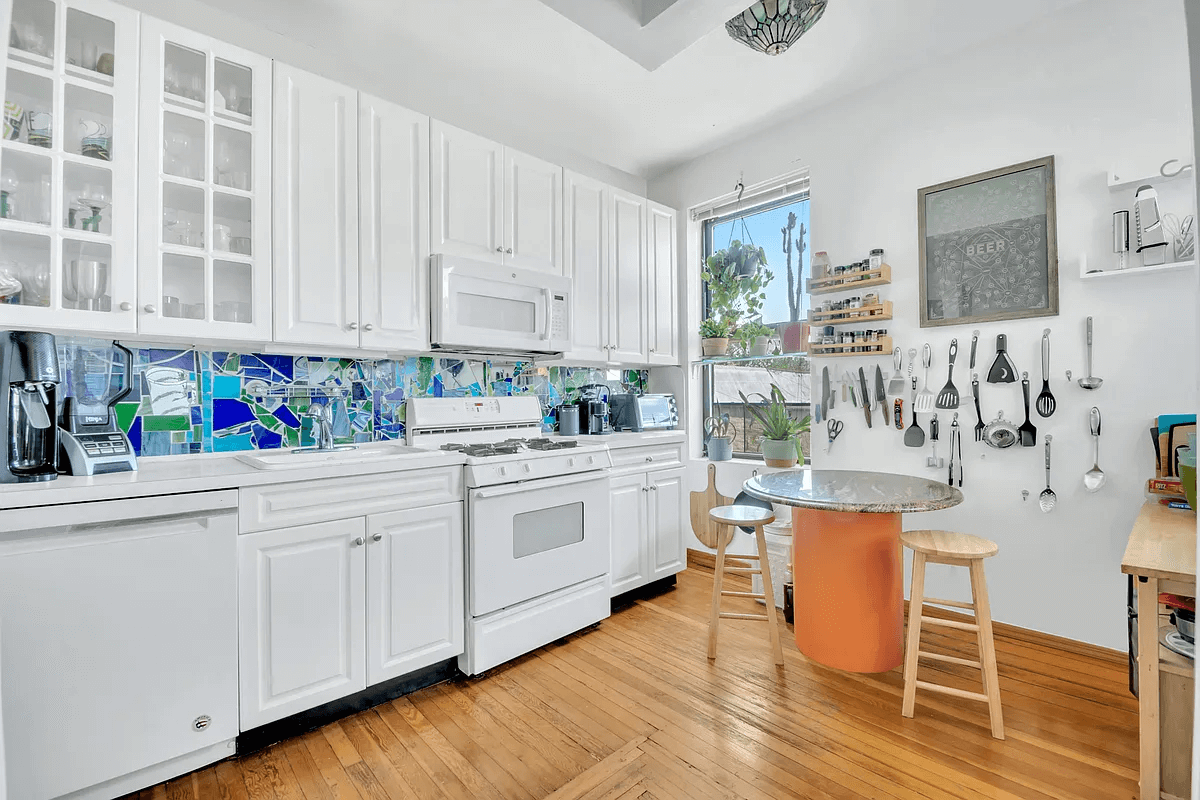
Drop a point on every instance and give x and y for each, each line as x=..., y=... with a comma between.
x=720, y=449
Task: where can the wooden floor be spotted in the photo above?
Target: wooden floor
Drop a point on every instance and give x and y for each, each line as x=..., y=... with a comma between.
x=633, y=709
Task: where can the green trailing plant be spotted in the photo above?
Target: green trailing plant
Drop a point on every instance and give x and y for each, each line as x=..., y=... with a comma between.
x=772, y=414
x=714, y=328
x=737, y=278
x=748, y=332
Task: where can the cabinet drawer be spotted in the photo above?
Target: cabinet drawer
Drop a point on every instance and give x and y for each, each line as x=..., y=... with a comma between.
x=628, y=459
x=284, y=505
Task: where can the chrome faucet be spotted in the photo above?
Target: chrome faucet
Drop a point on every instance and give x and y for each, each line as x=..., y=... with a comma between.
x=322, y=417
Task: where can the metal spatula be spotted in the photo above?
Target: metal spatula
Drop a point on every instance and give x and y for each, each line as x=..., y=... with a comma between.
x=896, y=385
x=1027, y=430
x=924, y=400
x=948, y=397
x=914, y=436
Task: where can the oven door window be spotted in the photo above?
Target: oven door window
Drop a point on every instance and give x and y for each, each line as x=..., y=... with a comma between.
x=547, y=529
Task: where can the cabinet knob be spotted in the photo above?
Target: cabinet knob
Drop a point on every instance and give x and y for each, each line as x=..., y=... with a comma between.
x=358, y=541
x=149, y=308
x=377, y=537
x=127, y=306
x=509, y=251
x=645, y=488
x=352, y=326
x=654, y=488
x=649, y=459
x=499, y=249
x=368, y=327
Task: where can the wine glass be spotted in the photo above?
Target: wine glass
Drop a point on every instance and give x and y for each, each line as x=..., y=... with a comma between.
x=177, y=144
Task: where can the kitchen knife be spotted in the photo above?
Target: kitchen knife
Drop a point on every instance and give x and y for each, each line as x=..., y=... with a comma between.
x=880, y=390
x=825, y=396
x=866, y=395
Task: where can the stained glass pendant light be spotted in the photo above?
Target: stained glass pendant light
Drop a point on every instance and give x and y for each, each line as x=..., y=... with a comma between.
x=772, y=26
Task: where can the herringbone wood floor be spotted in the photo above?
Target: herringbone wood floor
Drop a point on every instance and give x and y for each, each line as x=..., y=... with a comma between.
x=633, y=709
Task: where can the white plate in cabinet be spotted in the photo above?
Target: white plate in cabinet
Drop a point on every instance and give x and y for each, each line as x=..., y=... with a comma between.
x=204, y=252
x=315, y=179
x=466, y=194
x=302, y=609
x=414, y=589
x=287, y=504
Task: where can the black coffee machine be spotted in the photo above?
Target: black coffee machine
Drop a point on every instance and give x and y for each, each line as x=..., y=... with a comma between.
x=29, y=378
x=594, y=399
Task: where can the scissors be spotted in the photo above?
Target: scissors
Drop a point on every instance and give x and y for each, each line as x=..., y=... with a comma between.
x=835, y=429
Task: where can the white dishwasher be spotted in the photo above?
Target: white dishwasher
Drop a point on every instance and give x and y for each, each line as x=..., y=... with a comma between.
x=118, y=642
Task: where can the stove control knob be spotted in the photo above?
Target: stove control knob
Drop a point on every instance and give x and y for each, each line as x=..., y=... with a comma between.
x=528, y=468
x=504, y=470
x=570, y=462
x=591, y=459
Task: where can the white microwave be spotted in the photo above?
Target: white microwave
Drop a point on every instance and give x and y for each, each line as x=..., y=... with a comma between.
x=478, y=307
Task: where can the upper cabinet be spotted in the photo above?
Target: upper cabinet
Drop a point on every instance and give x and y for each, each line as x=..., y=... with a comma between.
x=204, y=221
x=585, y=237
x=629, y=289
x=68, y=178
x=661, y=290
x=315, y=178
x=493, y=203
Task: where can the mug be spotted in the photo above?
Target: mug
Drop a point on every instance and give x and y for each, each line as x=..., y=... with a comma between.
x=720, y=449
x=94, y=139
x=13, y=114
x=222, y=234
x=41, y=125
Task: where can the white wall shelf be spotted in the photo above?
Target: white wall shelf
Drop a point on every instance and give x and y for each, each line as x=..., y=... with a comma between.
x=1174, y=266
x=1119, y=182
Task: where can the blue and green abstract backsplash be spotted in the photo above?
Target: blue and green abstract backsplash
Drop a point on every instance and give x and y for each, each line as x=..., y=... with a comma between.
x=196, y=401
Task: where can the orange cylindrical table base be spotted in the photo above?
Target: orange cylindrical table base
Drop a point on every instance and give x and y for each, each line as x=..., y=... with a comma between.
x=848, y=588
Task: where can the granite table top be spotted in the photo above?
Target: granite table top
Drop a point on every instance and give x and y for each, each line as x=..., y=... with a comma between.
x=853, y=491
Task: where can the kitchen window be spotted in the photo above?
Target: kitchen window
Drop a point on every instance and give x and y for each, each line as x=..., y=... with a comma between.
x=768, y=223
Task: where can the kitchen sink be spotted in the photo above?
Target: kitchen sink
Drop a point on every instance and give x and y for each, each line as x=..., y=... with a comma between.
x=305, y=457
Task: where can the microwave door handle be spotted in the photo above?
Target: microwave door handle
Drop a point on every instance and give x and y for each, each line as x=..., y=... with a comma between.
x=549, y=300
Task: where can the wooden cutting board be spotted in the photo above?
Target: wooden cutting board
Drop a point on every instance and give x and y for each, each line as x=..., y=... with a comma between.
x=702, y=502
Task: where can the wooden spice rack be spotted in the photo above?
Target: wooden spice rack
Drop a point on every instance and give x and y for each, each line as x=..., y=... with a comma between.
x=855, y=280
x=880, y=347
x=880, y=312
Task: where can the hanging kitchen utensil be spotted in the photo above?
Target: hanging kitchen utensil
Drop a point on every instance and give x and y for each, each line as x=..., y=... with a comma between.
x=924, y=402
x=1094, y=478
x=707, y=531
x=933, y=460
x=880, y=391
x=1002, y=370
x=866, y=395
x=1027, y=430
x=914, y=436
x=898, y=414
x=958, y=441
x=1000, y=433
x=979, y=424
x=833, y=429
x=1047, y=499
x=974, y=347
x=826, y=396
x=1045, y=401
x=1090, y=382
x=948, y=397
x=897, y=384
x=848, y=385
x=955, y=439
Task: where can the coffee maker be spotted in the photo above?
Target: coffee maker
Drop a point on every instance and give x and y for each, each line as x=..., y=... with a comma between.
x=594, y=399
x=29, y=378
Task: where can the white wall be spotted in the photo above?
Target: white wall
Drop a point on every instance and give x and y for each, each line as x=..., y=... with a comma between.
x=1095, y=94
x=423, y=92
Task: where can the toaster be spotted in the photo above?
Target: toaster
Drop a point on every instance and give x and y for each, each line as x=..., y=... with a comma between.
x=631, y=412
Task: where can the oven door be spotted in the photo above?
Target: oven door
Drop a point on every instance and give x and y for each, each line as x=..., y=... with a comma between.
x=478, y=306
x=529, y=539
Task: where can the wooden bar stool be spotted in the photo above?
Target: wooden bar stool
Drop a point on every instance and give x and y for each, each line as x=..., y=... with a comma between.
x=730, y=516
x=958, y=550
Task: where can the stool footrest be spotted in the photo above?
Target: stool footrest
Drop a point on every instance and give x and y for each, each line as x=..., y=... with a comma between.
x=949, y=623
x=965, y=662
x=933, y=601
x=934, y=687
x=760, y=617
x=743, y=570
x=755, y=595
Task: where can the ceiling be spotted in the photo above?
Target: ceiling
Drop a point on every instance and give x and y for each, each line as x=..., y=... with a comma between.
x=495, y=64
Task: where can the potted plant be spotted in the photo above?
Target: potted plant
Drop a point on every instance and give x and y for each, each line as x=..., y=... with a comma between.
x=741, y=259
x=755, y=338
x=781, y=433
x=714, y=336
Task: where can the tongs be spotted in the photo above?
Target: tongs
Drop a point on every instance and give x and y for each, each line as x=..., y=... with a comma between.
x=955, y=441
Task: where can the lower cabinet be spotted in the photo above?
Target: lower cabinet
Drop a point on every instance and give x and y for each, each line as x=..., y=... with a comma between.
x=332, y=608
x=647, y=513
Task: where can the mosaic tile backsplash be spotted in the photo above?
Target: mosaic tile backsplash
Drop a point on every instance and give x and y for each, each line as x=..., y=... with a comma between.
x=196, y=401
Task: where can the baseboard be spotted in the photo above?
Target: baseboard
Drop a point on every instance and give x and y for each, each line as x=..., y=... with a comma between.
x=652, y=589
x=705, y=560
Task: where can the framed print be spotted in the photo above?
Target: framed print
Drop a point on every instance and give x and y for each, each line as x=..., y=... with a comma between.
x=989, y=246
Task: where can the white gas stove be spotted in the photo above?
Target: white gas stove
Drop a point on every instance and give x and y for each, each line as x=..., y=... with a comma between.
x=537, y=523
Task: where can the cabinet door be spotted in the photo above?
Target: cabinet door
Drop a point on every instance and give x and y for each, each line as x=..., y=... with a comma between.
x=667, y=553
x=585, y=263
x=466, y=187
x=393, y=162
x=628, y=290
x=414, y=589
x=316, y=210
x=629, y=565
x=662, y=324
x=532, y=213
x=302, y=608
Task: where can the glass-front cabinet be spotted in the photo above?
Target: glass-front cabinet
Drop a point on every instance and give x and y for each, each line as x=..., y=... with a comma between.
x=204, y=253
x=68, y=167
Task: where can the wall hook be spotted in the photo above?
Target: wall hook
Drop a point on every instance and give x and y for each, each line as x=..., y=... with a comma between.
x=1163, y=169
x=1024, y=495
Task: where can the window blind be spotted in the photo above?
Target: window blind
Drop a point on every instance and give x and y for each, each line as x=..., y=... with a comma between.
x=776, y=188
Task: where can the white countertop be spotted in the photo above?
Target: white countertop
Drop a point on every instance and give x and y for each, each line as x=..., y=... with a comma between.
x=629, y=439
x=162, y=475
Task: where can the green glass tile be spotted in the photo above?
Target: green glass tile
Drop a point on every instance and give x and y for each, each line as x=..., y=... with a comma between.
x=167, y=422
x=180, y=437
x=268, y=420
x=293, y=437
x=125, y=414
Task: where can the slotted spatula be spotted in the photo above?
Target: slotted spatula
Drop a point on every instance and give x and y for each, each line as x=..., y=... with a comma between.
x=924, y=401
x=1045, y=401
x=914, y=436
x=948, y=397
x=1027, y=430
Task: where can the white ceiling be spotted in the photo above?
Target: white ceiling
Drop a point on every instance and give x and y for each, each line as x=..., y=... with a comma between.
x=503, y=64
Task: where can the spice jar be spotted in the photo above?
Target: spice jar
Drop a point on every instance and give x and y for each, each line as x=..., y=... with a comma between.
x=877, y=258
x=820, y=264
x=870, y=299
x=856, y=302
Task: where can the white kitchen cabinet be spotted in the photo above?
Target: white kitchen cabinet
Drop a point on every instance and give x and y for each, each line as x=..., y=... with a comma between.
x=414, y=589
x=466, y=194
x=302, y=607
x=204, y=221
x=393, y=161
x=629, y=291
x=68, y=219
x=667, y=513
x=662, y=317
x=585, y=262
x=532, y=213
x=315, y=180
x=628, y=566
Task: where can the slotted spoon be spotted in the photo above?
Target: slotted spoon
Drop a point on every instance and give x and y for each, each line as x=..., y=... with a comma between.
x=924, y=401
x=1045, y=401
x=1047, y=499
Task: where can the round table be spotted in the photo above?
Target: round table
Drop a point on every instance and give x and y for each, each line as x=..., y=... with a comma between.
x=847, y=565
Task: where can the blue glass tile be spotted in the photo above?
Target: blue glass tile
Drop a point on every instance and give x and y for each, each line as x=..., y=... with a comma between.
x=282, y=365
x=229, y=413
x=135, y=435
x=228, y=387
x=183, y=359
x=227, y=444
x=437, y=386
x=156, y=443
x=287, y=416
x=256, y=372
x=265, y=439
x=359, y=391
x=197, y=415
